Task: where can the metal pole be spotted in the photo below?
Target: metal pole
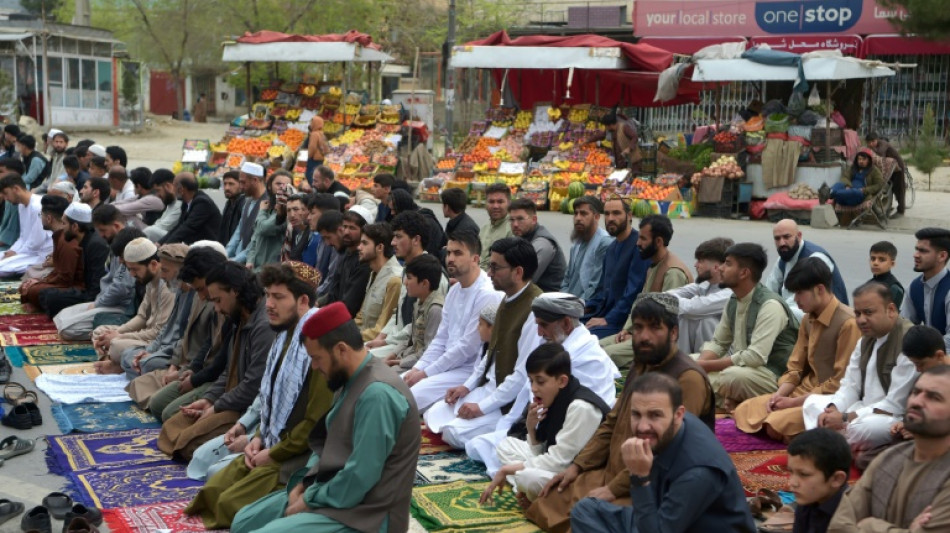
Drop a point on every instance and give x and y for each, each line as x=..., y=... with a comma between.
x=449, y=76
x=47, y=120
x=247, y=88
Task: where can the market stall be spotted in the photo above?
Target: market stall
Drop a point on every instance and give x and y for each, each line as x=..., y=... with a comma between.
x=541, y=140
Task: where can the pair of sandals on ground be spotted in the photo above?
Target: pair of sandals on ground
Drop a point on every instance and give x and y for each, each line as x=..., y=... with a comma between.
x=77, y=518
x=25, y=413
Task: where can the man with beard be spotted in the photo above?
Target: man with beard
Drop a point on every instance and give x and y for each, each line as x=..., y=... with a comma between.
x=297, y=236
x=251, y=179
x=34, y=243
x=497, y=199
x=361, y=472
x=352, y=276
x=873, y=391
x=551, y=263
x=233, y=205
x=246, y=339
x=330, y=228
x=10, y=134
x=156, y=212
x=95, y=192
x=410, y=236
x=141, y=258
x=750, y=348
x=62, y=269
x=200, y=217
x=95, y=254
x=557, y=316
x=701, y=303
x=791, y=248
x=291, y=401
x=586, y=265
x=58, y=144
x=452, y=354
x=382, y=290
x=927, y=300
x=907, y=488
x=681, y=478
x=817, y=364
x=622, y=280
x=666, y=272
x=123, y=189
x=474, y=408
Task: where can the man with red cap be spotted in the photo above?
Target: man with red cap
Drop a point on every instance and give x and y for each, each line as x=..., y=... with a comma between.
x=361, y=473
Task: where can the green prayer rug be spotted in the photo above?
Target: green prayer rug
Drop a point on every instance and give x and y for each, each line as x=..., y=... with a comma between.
x=55, y=354
x=454, y=507
x=11, y=308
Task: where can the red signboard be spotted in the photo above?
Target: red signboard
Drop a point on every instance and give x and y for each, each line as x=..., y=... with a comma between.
x=708, y=18
x=850, y=45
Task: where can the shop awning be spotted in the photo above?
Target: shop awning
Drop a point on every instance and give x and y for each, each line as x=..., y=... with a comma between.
x=269, y=46
x=687, y=45
x=816, y=69
x=894, y=44
x=7, y=37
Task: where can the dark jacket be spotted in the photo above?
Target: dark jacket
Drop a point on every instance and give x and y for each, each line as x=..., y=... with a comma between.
x=95, y=254
x=463, y=222
x=200, y=220
x=254, y=339
x=230, y=219
x=437, y=238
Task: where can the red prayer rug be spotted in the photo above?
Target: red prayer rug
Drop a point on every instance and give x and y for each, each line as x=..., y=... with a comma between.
x=768, y=470
x=432, y=442
x=31, y=338
x=22, y=323
x=155, y=517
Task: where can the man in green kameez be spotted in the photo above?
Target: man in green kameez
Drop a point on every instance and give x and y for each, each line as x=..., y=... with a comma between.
x=292, y=400
x=360, y=475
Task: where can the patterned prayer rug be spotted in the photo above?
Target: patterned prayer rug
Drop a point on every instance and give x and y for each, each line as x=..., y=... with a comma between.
x=104, y=451
x=51, y=354
x=31, y=338
x=95, y=417
x=762, y=470
x=127, y=487
x=12, y=308
x=30, y=322
x=734, y=440
x=34, y=372
x=156, y=517
x=448, y=467
x=432, y=442
x=454, y=508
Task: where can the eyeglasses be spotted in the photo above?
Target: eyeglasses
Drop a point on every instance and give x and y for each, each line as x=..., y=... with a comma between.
x=494, y=267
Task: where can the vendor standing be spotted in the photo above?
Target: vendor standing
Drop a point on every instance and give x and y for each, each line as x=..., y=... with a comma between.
x=624, y=138
x=317, y=147
x=860, y=182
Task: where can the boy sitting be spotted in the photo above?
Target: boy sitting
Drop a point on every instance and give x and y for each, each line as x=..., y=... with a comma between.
x=422, y=277
x=883, y=257
x=560, y=420
x=924, y=346
x=819, y=463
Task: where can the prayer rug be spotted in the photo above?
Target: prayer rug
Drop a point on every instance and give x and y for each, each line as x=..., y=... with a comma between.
x=34, y=372
x=53, y=354
x=448, y=467
x=432, y=442
x=166, y=517
x=30, y=322
x=127, y=487
x=454, y=508
x=96, y=417
x=762, y=470
x=31, y=338
x=12, y=308
x=84, y=388
x=734, y=440
x=104, y=451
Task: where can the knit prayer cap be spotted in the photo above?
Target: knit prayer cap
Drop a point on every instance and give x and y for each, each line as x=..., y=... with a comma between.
x=669, y=302
x=552, y=306
x=488, y=313
x=140, y=249
x=173, y=252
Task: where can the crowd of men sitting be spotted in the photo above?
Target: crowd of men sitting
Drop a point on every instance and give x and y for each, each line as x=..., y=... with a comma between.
x=290, y=343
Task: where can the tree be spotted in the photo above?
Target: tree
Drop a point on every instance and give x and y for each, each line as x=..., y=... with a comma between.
x=928, y=153
x=927, y=18
x=37, y=7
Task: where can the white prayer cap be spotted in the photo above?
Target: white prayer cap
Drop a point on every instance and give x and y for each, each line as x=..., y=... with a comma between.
x=79, y=212
x=140, y=249
x=98, y=150
x=488, y=313
x=65, y=187
x=252, y=169
x=53, y=132
x=214, y=245
x=363, y=212
x=387, y=102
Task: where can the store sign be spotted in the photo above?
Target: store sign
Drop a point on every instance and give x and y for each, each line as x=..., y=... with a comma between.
x=705, y=18
x=850, y=45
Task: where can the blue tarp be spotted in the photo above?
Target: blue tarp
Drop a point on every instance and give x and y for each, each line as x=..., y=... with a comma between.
x=780, y=59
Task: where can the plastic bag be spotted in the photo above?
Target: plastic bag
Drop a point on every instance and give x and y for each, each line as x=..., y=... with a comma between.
x=773, y=106
x=838, y=119
x=809, y=118
x=814, y=99
x=796, y=104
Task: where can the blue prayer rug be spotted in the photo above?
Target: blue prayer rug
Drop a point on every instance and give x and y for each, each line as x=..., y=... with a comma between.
x=102, y=416
x=83, y=452
x=128, y=487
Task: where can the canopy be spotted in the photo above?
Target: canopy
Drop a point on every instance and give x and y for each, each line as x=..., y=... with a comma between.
x=269, y=46
x=688, y=45
x=892, y=45
x=816, y=69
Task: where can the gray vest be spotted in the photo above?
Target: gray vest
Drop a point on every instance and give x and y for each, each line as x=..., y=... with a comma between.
x=392, y=494
x=550, y=279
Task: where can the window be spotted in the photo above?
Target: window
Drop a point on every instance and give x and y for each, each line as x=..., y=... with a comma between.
x=88, y=82
x=105, y=84
x=85, y=48
x=102, y=49
x=56, y=93
x=73, y=97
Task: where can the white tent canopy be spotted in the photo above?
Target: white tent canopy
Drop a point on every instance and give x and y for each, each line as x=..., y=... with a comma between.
x=302, y=52
x=816, y=69
x=539, y=57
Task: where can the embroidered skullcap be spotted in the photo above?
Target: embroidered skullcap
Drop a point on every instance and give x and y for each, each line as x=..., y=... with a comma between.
x=78, y=212
x=173, y=252
x=364, y=213
x=552, y=306
x=98, y=150
x=325, y=320
x=305, y=273
x=488, y=313
x=140, y=249
x=66, y=187
x=214, y=245
x=252, y=169
x=669, y=302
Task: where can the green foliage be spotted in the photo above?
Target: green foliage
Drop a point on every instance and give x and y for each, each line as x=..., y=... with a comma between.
x=699, y=154
x=35, y=7
x=927, y=18
x=130, y=87
x=7, y=93
x=928, y=153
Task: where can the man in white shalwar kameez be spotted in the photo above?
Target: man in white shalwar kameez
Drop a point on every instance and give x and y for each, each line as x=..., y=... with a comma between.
x=873, y=393
x=557, y=318
x=34, y=242
x=451, y=356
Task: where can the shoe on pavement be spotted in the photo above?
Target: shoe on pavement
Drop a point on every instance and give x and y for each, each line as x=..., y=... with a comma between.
x=79, y=525
x=91, y=514
x=36, y=417
x=13, y=446
x=58, y=504
x=37, y=519
x=9, y=509
x=18, y=418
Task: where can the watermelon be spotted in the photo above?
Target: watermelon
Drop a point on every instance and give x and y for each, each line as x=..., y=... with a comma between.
x=564, y=206
x=642, y=208
x=575, y=190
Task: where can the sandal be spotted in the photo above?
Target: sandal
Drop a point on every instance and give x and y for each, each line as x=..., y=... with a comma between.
x=13, y=446
x=769, y=499
x=12, y=391
x=27, y=397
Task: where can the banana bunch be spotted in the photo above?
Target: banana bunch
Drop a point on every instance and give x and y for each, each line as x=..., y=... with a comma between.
x=523, y=120
x=554, y=114
x=562, y=164
x=220, y=147
x=308, y=90
x=593, y=125
x=335, y=91
x=565, y=146
x=276, y=152
x=292, y=115
x=269, y=138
